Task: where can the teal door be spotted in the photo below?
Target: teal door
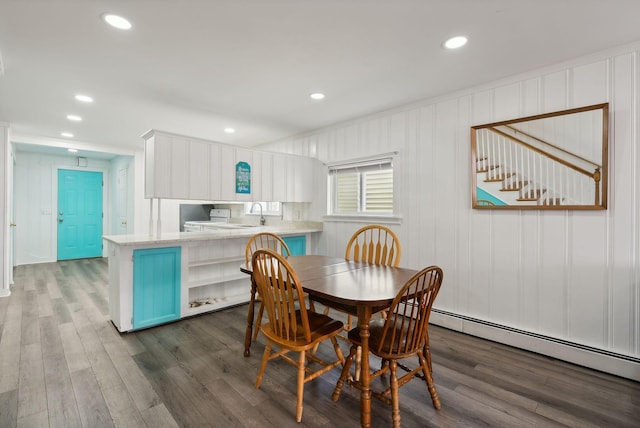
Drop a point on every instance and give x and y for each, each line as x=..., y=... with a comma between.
x=79, y=214
x=156, y=286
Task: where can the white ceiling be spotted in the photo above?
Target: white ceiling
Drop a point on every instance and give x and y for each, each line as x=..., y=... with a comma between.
x=195, y=67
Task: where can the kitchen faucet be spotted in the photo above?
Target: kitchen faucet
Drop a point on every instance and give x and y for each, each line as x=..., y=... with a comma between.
x=262, y=220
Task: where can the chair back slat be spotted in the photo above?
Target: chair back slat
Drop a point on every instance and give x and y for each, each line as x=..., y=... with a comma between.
x=374, y=244
x=405, y=329
x=266, y=240
x=282, y=295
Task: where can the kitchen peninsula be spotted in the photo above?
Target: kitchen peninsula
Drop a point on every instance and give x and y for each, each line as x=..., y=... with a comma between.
x=158, y=279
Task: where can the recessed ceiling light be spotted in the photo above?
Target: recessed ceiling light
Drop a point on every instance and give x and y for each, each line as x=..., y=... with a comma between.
x=229, y=130
x=455, y=42
x=66, y=134
x=116, y=21
x=72, y=150
x=84, y=98
x=74, y=117
x=316, y=96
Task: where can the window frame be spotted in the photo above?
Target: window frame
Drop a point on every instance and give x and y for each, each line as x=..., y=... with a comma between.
x=360, y=166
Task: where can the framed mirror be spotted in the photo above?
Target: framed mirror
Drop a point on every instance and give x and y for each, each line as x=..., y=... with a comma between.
x=549, y=161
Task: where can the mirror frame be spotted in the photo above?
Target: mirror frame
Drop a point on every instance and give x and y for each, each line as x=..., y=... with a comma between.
x=599, y=175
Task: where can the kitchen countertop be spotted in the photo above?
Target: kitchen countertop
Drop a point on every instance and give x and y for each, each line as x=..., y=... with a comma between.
x=239, y=231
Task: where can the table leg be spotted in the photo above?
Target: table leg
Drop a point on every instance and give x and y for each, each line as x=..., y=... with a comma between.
x=364, y=316
x=249, y=332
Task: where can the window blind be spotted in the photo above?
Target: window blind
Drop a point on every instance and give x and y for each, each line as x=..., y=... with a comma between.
x=362, y=186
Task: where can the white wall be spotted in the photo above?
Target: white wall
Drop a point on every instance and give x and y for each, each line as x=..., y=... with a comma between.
x=5, y=170
x=569, y=275
x=35, y=198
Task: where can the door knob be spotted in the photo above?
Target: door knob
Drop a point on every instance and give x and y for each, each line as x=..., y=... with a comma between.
x=60, y=220
x=61, y=213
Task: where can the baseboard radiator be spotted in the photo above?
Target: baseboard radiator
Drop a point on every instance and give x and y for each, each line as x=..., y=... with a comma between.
x=606, y=361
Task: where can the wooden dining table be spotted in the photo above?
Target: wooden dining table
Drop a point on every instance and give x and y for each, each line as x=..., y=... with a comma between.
x=358, y=288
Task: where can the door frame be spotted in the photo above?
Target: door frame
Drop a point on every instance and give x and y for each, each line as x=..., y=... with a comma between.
x=106, y=214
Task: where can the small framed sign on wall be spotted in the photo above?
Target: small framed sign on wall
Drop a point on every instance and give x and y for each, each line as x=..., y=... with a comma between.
x=243, y=177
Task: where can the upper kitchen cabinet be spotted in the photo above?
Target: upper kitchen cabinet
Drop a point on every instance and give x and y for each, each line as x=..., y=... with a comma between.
x=176, y=167
x=226, y=165
x=179, y=167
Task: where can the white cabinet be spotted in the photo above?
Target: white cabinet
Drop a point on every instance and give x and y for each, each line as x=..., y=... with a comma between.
x=179, y=167
x=215, y=174
x=227, y=167
x=279, y=178
x=266, y=177
x=157, y=166
x=198, y=170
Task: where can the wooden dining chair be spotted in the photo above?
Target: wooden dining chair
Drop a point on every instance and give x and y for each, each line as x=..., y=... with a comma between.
x=256, y=242
x=291, y=326
x=403, y=334
x=374, y=244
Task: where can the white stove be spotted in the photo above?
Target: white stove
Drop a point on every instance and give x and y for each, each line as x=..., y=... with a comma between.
x=216, y=215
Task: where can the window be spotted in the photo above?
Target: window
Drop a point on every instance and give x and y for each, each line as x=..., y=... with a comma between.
x=268, y=208
x=362, y=187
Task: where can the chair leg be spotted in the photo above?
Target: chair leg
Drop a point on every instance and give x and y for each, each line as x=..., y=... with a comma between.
x=395, y=400
x=429, y=379
x=336, y=348
x=384, y=363
x=344, y=374
x=358, y=364
x=249, y=330
x=300, y=393
x=258, y=321
x=263, y=364
x=427, y=355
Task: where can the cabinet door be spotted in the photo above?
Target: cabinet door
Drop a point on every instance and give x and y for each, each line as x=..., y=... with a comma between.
x=156, y=286
x=227, y=173
x=291, y=178
x=297, y=244
x=179, y=167
x=198, y=170
x=279, y=179
x=266, y=178
x=256, y=177
x=158, y=166
x=215, y=172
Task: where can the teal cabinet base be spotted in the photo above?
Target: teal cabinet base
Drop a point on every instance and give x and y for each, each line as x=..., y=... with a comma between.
x=297, y=244
x=156, y=286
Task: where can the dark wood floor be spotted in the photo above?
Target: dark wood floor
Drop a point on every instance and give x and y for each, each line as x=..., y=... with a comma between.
x=63, y=364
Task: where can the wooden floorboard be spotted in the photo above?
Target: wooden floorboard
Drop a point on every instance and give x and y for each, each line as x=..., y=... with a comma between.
x=62, y=363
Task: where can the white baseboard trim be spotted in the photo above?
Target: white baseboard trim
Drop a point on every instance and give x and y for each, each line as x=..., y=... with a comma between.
x=605, y=361
x=5, y=292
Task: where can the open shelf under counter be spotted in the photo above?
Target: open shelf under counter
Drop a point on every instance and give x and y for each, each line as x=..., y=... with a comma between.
x=219, y=280
x=209, y=297
x=216, y=304
x=216, y=261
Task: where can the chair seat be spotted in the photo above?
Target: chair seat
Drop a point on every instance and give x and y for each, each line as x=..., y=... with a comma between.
x=376, y=329
x=320, y=325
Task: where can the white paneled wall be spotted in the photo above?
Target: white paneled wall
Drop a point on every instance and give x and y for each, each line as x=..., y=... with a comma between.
x=36, y=200
x=567, y=275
